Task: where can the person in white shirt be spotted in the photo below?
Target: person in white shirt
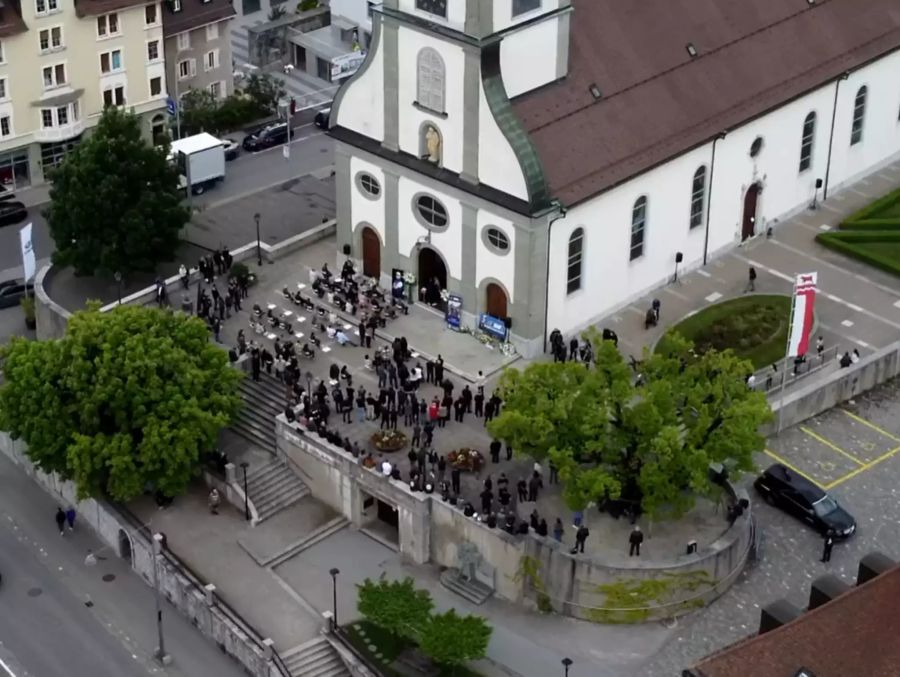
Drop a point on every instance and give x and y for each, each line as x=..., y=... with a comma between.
x=386, y=468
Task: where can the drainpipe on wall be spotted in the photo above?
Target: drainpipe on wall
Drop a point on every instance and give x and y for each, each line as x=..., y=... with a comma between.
x=712, y=173
x=837, y=87
x=560, y=214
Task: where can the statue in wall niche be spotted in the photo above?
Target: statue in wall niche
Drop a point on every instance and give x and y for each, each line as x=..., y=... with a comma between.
x=467, y=558
x=433, y=144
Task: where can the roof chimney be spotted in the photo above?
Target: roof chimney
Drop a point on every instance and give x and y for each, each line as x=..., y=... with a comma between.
x=824, y=589
x=778, y=613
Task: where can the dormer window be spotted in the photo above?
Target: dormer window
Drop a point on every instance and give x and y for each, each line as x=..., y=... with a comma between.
x=436, y=7
x=176, y=5
x=524, y=6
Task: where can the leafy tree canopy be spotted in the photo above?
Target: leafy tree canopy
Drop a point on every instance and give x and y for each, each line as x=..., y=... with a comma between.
x=395, y=606
x=265, y=91
x=649, y=439
x=451, y=640
x=115, y=205
x=126, y=398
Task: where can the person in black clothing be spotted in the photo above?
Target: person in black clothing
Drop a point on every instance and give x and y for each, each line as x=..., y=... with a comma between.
x=829, y=544
x=504, y=496
x=454, y=479
x=542, y=528
x=580, y=537
x=412, y=456
x=496, y=401
x=534, y=484
x=534, y=519
x=61, y=521
x=522, y=490
x=429, y=371
x=635, y=540
x=573, y=349
x=441, y=468
x=459, y=409
x=422, y=459
x=416, y=436
x=488, y=411
x=495, y=451
x=479, y=404
x=393, y=418
x=255, y=363
x=510, y=523
x=385, y=418
x=488, y=483
x=439, y=369
x=523, y=527
x=508, y=451
x=466, y=396
x=487, y=497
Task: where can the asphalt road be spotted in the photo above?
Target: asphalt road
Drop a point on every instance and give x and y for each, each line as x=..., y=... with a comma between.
x=46, y=627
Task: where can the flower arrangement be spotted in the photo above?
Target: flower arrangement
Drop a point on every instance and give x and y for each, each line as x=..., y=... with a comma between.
x=409, y=278
x=389, y=440
x=466, y=459
x=445, y=295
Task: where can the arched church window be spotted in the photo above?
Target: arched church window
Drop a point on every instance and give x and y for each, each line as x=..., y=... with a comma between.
x=430, y=83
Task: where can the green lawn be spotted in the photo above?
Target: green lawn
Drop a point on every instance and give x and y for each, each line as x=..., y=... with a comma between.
x=390, y=648
x=883, y=249
x=754, y=326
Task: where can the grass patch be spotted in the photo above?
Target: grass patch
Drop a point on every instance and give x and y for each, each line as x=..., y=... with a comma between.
x=390, y=648
x=755, y=327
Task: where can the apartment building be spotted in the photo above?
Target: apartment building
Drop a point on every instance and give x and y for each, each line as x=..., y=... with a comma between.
x=198, y=46
x=61, y=63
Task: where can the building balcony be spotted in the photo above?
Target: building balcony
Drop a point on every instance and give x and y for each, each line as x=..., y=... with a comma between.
x=59, y=132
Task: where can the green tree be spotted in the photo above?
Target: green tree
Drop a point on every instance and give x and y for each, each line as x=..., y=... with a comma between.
x=199, y=112
x=396, y=607
x=115, y=205
x=277, y=12
x=451, y=640
x=649, y=439
x=265, y=91
x=126, y=398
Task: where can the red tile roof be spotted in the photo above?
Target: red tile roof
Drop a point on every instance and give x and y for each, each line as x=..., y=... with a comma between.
x=855, y=634
x=11, y=22
x=658, y=102
x=97, y=7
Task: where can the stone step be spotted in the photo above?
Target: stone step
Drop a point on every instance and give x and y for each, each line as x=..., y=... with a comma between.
x=285, y=500
x=264, y=420
x=263, y=473
x=316, y=658
x=254, y=392
x=269, y=491
x=320, y=534
x=473, y=591
x=254, y=434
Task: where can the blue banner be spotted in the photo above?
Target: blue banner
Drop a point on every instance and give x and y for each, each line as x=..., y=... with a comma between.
x=492, y=325
x=454, y=309
x=171, y=105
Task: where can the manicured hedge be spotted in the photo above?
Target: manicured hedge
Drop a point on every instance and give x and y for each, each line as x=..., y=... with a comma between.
x=858, y=245
x=875, y=210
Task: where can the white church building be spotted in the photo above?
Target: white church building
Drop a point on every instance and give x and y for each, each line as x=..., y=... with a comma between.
x=547, y=160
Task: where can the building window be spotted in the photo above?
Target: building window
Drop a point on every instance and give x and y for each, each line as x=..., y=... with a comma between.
x=522, y=6
x=756, y=146
x=155, y=86
x=573, y=270
x=46, y=118
x=74, y=111
x=52, y=154
x=184, y=41
x=436, y=7
x=859, y=115
x=111, y=61
x=3, y=91
x=698, y=196
x=211, y=61
x=54, y=76
x=432, y=214
x=430, y=86
x=176, y=5
x=107, y=25
x=368, y=185
x=215, y=88
x=45, y=6
x=14, y=170
x=114, y=96
x=150, y=15
x=186, y=69
x=212, y=32
x=495, y=240
x=638, y=227
x=2, y=59
x=50, y=39
x=153, y=50
x=62, y=115
x=806, y=142
x=5, y=126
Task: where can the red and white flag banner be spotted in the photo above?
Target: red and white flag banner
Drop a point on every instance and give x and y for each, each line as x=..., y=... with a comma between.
x=802, y=318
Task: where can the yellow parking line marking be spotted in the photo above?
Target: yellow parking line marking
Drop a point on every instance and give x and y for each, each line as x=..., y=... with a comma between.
x=785, y=463
x=871, y=425
x=828, y=444
x=862, y=468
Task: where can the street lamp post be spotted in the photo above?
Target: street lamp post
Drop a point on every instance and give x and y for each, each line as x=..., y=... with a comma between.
x=244, y=465
x=118, y=277
x=566, y=663
x=160, y=653
x=334, y=619
x=258, y=246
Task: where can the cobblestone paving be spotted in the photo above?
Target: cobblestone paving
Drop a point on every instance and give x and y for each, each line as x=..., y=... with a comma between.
x=867, y=487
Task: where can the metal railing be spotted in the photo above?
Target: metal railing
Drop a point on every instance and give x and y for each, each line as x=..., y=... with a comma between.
x=768, y=380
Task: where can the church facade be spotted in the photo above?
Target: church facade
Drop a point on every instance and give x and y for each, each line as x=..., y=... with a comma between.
x=548, y=160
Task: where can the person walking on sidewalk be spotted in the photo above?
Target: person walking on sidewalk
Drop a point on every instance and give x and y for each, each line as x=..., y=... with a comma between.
x=829, y=544
x=558, y=530
x=61, y=521
x=213, y=501
x=635, y=539
x=70, y=517
x=751, y=280
x=580, y=537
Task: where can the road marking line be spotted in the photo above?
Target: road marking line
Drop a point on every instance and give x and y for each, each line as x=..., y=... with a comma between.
x=702, y=272
x=836, y=299
x=676, y=294
x=824, y=226
x=860, y=419
x=896, y=304
x=783, y=462
x=830, y=445
x=715, y=296
x=859, y=192
x=862, y=469
x=847, y=323
x=855, y=308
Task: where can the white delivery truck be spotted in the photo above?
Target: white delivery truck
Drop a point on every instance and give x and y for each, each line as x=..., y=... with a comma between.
x=200, y=160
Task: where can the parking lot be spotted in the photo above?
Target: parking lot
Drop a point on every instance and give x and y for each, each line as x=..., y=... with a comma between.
x=838, y=445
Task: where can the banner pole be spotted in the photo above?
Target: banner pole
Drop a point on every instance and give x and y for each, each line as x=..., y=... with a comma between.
x=784, y=370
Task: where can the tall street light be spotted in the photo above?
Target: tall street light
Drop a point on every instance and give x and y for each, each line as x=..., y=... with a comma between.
x=160, y=653
x=566, y=663
x=334, y=573
x=244, y=465
x=258, y=246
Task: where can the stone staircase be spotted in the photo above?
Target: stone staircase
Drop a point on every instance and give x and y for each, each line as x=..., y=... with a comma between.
x=316, y=658
x=473, y=591
x=263, y=401
x=274, y=487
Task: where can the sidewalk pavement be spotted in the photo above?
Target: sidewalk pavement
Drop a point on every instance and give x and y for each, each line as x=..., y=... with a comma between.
x=121, y=601
x=857, y=306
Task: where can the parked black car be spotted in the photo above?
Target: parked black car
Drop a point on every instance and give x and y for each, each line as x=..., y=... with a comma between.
x=268, y=136
x=12, y=291
x=322, y=118
x=12, y=212
x=786, y=489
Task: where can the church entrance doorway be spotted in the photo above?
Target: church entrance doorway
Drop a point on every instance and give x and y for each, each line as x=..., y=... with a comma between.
x=432, y=276
x=371, y=253
x=750, y=203
x=495, y=302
